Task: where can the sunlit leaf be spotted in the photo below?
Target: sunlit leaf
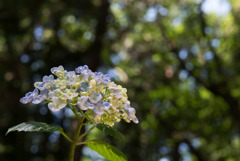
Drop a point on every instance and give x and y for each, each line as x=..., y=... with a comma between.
x=106, y=150
x=34, y=127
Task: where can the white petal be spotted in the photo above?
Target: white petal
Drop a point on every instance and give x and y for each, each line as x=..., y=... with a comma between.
x=52, y=107
x=60, y=106
x=135, y=120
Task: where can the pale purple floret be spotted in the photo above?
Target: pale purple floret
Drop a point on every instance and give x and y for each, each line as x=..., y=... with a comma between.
x=46, y=82
x=84, y=71
x=84, y=104
x=106, y=105
x=35, y=92
x=29, y=96
x=71, y=77
x=55, y=70
x=127, y=104
x=114, y=89
x=119, y=95
x=53, y=87
x=135, y=120
x=39, y=99
x=97, y=76
x=80, y=69
x=49, y=78
x=84, y=86
x=95, y=97
x=106, y=79
x=100, y=107
x=25, y=100
x=131, y=113
x=42, y=86
x=44, y=93
x=116, y=92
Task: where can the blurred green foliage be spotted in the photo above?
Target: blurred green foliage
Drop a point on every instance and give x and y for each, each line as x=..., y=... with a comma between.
x=180, y=66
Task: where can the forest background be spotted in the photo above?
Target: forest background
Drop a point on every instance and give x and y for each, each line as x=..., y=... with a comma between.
x=179, y=61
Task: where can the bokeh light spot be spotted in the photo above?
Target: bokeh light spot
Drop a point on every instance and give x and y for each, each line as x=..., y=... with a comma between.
x=9, y=76
x=151, y=14
x=24, y=58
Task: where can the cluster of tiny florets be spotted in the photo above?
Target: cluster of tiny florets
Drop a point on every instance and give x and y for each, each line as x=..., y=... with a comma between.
x=101, y=100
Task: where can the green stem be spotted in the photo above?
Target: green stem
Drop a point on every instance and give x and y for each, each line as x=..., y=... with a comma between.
x=75, y=112
x=75, y=139
x=61, y=131
x=85, y=142
x=87, y=123
x=84, y=134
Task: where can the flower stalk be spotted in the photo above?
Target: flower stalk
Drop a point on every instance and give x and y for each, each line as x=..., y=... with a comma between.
x=70, y=140
x=84, y=134
x=75, y=139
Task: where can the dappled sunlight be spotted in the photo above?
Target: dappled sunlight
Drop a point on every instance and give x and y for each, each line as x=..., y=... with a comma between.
x=179, y=61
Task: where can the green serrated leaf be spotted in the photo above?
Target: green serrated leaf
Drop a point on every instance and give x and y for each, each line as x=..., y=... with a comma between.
x=34, y=127
x=106, y=150
x=111, y=131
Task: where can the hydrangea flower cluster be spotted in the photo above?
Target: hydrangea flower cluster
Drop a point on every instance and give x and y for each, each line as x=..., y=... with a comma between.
x=100, y=99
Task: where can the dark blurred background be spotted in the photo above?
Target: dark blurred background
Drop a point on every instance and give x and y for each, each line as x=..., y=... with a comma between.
x=179, y=61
